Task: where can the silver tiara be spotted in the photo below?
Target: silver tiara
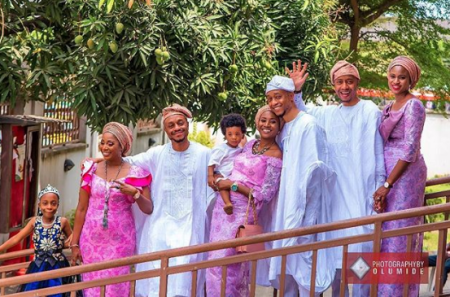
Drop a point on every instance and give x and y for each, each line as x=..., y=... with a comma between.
x=48, y=189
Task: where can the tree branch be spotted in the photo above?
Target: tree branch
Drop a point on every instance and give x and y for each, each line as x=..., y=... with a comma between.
x=371, y=15
x=341, y=15
x=356, y=11
x=31, y=24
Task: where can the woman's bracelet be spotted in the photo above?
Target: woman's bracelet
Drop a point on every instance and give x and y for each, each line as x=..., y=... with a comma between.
x=74, y=245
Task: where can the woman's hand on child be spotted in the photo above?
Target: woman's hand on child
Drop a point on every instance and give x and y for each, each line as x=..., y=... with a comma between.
x=224, y=184
x=68, y=241
x=211, y=182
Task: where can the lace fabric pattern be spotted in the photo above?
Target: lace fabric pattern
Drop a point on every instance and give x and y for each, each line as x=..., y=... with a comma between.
x=403, y=143
x=261, y=173
x=48, y=242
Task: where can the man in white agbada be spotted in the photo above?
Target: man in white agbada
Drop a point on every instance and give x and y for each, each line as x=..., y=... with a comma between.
x=179, y=192
x=304, y=195
x=355, y=154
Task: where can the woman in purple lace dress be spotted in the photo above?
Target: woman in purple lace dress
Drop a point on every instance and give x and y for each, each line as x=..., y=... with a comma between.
x=257, y=168
x=401, y=128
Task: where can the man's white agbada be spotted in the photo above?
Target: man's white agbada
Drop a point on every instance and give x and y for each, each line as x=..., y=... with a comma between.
x=304, y=200
x=180, y=196
x=356, y=155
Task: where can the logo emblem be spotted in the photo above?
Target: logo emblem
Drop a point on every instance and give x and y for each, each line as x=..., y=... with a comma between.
x=360, y=268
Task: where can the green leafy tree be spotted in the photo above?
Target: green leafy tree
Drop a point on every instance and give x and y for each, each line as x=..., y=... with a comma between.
x=382, y=29
x=125, y=60
x=34, y=50
x=304, y=31
x=201, y=137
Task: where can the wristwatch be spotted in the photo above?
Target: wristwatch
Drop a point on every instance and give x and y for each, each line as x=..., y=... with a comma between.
x=297, y=92
x=234, y=187
x=137, y=195
x=387, y=185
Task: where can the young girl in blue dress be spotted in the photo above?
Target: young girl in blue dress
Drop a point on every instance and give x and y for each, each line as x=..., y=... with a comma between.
x=49, y=235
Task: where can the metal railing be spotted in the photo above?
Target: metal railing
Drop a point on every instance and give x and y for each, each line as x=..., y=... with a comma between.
x=164, y=256
x=67, y=130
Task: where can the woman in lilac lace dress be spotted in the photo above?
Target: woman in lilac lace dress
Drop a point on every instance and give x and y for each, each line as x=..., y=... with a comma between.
x=401, y=128
x=257, y=168
x=104, y=225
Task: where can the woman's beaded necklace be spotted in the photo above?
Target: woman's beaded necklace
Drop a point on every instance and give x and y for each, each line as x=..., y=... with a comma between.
x=256, y=151
x=107, y=189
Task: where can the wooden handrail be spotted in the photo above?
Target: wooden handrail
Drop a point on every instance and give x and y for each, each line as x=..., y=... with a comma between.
x=216, y=262
x=256, y=239
x=335, y=225
x=437, y=195
x=17, y=254
x=13, y=267
x=166, y=270
x=438, y=181
x=344, y=224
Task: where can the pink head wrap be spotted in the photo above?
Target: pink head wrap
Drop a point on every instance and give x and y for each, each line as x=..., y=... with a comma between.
x=342, y=68
x=123, y=135
x=175, y=109
x=263, y=110
x=410, y=65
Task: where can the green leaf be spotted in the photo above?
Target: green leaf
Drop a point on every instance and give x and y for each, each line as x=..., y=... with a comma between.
x=214, y=17
x=100, y=3
x=109, y=5
x=316, y=56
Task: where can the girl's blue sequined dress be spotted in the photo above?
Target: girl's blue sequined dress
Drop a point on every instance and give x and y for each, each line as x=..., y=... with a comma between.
x=48, y=246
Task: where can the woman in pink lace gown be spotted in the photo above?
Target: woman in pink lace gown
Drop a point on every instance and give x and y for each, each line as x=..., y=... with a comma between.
x=258, y=168
x=401, y=128
x=104, y=225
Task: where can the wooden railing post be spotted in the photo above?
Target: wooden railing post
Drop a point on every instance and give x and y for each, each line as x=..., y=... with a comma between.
x=440, y=261
x=376, y=252
x=194, y=283
x=343, y=271
x=2, y=289
x=313, y=274
x=163, y=277
x=253, y=278
x=283, y=275
x=223, y=287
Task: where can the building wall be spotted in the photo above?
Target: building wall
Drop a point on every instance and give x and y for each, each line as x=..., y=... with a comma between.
x=144, y=140
x=68, y=183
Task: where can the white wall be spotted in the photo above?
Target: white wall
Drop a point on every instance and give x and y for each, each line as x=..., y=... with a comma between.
x=436, y=144
x=68, y=183
x=141, y=140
